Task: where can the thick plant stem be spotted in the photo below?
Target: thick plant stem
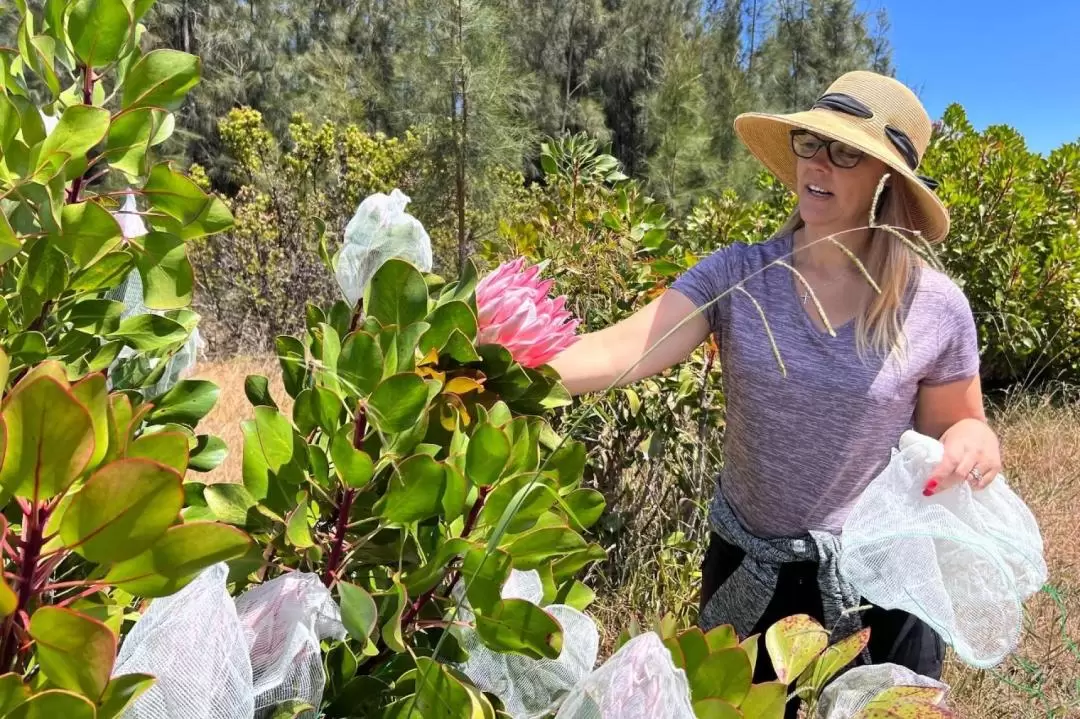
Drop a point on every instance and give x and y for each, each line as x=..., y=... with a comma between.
x=341, y=525
x=337, y=546
x=29, y=555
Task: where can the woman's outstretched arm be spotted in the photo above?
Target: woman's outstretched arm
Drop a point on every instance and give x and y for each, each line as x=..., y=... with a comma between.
x=617, y=355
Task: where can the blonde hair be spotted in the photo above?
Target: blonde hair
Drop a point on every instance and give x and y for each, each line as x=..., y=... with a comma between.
x=891, y=262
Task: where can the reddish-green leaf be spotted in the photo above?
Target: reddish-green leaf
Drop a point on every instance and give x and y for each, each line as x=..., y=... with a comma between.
x=793, y=643
x=75, y=652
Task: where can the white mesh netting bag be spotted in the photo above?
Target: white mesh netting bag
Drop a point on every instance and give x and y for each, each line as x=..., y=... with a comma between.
x=639, y=682
x=379, y=230
x=852, y=691
x=530, y=688
x=963, y=561
x=219, y=659
x=283, y=622
x=193, y=643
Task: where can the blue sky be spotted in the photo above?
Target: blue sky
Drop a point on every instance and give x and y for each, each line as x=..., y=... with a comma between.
x=1014, y=62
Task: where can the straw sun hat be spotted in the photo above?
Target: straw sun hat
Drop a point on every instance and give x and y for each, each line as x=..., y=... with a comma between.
x=871, y=112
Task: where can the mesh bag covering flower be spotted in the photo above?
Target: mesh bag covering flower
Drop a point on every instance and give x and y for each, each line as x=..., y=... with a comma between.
x=216, y=659
x=963, y=560
x=283, y=622
x=852, y=691
x=530, y=688
x=380, y=230
x=193, y=643
x=639, y=682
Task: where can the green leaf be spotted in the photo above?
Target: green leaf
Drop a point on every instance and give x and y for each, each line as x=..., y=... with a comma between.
x=725, y=674
x=28, y=348
x=571, y=564
x=483, y=574
x=12, y=692
x=43, y=278
x=688, y=649
x=520, y=627
x=9, y=601
x=533, y=548
x=98, y=316
x=177, y=557
x=168, y=448
x=397, y=294
x=208, y=454
x=229, y=502
x=722, y=637
x=793, y=643
x=750, y=646
x=317, y=408
x=181, y=206
x=415, y=491
x=124, y=507
x=765, y=701
x=121, y=692
x=167, y=277
x=98, y=30
x=270, y=452
x=10, y=244
x=353, y=466
x=445, y=319
x=396, y=599
x=360, y=364
x=297, y=531
x=104, y=274
x=398, y=402
x=88, y=232
x=79, y=129
x=575, y=594
x=358, y=611
x=49, y=440
x=717, y=709
x=75, y=652
x=584, y=506
x=257, y=389
x=186, y=403
x=53, y=703
x=93, y=393
x=536, y=500
x=293, y=360
x=161, y=78
x=149, y=332
x=459, y=348
x=487, y=455
x=568, y=462
x=439, y=695
x=833, y=660
x=132, y=134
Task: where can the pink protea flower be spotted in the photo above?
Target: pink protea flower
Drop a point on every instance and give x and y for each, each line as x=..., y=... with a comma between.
x=516, y=312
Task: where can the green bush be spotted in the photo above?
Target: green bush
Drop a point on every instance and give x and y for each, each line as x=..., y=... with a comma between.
x=93, y=465
x=1014, y=245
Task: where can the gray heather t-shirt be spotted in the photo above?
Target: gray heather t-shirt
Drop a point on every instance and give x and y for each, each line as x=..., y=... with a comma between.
x=799, y=450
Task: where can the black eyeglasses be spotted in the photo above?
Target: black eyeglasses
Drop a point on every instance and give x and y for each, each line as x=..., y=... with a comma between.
x=806, y=144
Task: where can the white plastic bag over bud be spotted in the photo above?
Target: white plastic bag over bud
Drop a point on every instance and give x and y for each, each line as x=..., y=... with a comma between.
x=379, y=231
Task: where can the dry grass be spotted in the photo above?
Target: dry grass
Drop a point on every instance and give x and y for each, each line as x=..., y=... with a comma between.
x=233, y=407
x=1042, y=451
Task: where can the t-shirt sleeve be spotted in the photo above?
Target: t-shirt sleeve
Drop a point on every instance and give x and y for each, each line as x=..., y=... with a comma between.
x=958, y=341
x=705, y=283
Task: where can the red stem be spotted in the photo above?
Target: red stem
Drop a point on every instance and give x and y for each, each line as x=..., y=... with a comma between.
x=88, y=99
x=341, y=526
x=470, y=522
x=32, y=540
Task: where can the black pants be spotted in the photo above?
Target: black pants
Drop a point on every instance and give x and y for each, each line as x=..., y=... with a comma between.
x=896, y=637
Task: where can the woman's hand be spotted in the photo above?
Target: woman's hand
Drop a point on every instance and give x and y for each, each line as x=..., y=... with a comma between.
x=972, y=454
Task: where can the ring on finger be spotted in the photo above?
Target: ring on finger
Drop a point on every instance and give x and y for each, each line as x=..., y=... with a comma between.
x=976, y=475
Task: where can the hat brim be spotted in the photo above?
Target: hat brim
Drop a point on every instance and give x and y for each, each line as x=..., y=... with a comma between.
x=767, y=136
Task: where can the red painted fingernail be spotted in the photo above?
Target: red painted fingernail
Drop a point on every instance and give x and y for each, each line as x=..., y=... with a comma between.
x=928, y=490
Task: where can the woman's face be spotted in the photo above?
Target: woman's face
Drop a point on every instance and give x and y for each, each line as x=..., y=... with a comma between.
x=837, y=198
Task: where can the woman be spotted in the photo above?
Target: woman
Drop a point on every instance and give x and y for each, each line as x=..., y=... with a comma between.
x=860, y=362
